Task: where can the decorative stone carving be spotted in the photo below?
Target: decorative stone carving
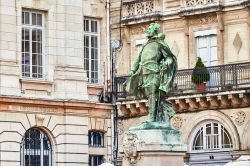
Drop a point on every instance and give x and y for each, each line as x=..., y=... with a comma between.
x=207, y=19
x=138, y=30
x=195, y=3
x=138, y=8
x=124, y=110
x=237, y=43
x=39, y=119
x=239, y=117
x=134, y=110
x=129, y=147
x=143, y=109
x=177, y=122
x=183, y=106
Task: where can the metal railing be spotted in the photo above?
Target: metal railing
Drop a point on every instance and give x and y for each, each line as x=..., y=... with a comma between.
x=222, y=78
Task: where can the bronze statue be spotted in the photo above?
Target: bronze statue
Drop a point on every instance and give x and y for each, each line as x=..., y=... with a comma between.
x=152, y=75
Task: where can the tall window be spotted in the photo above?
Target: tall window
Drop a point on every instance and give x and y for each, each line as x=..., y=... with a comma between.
x=206, y=47
x=91, y=49
x=212, y=136
x=36, y=149
x=32, y=44
x=95, y=160
x=96, y=139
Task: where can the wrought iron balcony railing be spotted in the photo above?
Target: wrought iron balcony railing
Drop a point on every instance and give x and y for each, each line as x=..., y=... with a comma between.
x=139, y=9
x=222, y=78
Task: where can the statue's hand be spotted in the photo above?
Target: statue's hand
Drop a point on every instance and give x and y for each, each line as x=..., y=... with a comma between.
x=131, y=73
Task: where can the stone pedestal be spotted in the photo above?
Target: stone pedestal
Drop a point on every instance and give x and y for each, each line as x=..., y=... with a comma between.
x=160, y=159
x=153, y=147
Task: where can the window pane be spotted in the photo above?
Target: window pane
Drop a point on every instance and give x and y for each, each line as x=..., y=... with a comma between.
x=33, y=19
x=22, y=17
x=34, y=35
x=34, y=59
x=27, y=34
x=208, y=128
x=26, y=18
x=39, y=35
x=26, y=46
x=216, y=128
x=40, y=60
x=93, y=26
x=39, y=19
x=86, y=25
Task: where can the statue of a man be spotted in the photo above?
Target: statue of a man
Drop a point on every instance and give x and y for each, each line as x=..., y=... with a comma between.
x=153, y=72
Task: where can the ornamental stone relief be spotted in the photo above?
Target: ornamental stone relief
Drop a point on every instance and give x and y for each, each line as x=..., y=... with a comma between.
x=138, y=30
x=177, y=122
x=239, y=117
x=237, y=43
x=195, y=3
x=203, y=20
x=138, y=8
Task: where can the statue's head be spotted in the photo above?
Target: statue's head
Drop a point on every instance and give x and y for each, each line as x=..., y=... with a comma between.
x=153, y=30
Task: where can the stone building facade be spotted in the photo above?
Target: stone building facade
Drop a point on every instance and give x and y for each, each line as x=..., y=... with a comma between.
x=53, y=68
x=215, y=123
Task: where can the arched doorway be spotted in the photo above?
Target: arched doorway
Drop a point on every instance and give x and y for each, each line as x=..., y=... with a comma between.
x=210, y=145
x=36, y=148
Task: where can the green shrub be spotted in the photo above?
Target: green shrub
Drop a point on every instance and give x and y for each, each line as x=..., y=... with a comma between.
x=200, y=73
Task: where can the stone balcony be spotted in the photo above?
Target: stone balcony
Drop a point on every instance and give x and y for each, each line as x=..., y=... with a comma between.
x=191, y=7
x=229, y=87
x=136, y=11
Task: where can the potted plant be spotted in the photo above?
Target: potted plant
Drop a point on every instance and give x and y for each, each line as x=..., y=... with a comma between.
x=200, y=76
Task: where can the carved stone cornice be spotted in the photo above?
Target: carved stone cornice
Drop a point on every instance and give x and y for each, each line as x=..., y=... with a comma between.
x=191, y=103
x=51, y=106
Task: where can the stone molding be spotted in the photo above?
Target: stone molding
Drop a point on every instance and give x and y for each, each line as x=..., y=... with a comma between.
x=61, y=107
x=190, y=103
x=98, y=124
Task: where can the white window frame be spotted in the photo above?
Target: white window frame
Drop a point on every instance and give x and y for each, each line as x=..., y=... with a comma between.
x=204, y=136
x=205, y=33
x=30, y=27
x=96, y=34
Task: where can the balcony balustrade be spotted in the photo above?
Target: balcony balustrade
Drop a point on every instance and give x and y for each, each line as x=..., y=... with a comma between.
x=190, y=7
x=134, y=10
x=229, y=87
x=231, y=77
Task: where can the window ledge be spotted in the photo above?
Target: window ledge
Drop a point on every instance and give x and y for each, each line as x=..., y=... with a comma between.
x=97, y=151
x=36, y=87
x=211, y=151
x=92, y=85
x=94, y=89
x=35, y=81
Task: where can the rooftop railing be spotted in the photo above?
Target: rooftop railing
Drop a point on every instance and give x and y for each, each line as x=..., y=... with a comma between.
x=222, y=78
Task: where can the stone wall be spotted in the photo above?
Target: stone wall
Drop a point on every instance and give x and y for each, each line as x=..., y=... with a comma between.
x=63, y=104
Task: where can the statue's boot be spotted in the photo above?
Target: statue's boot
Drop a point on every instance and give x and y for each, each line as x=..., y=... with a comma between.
x=151, y=108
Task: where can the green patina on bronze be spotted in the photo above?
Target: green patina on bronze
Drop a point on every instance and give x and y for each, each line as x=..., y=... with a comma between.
x=152, y=77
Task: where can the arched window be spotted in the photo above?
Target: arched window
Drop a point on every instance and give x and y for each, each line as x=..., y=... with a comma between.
x=36, y=149
x=96, y=139
x=212, y=136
